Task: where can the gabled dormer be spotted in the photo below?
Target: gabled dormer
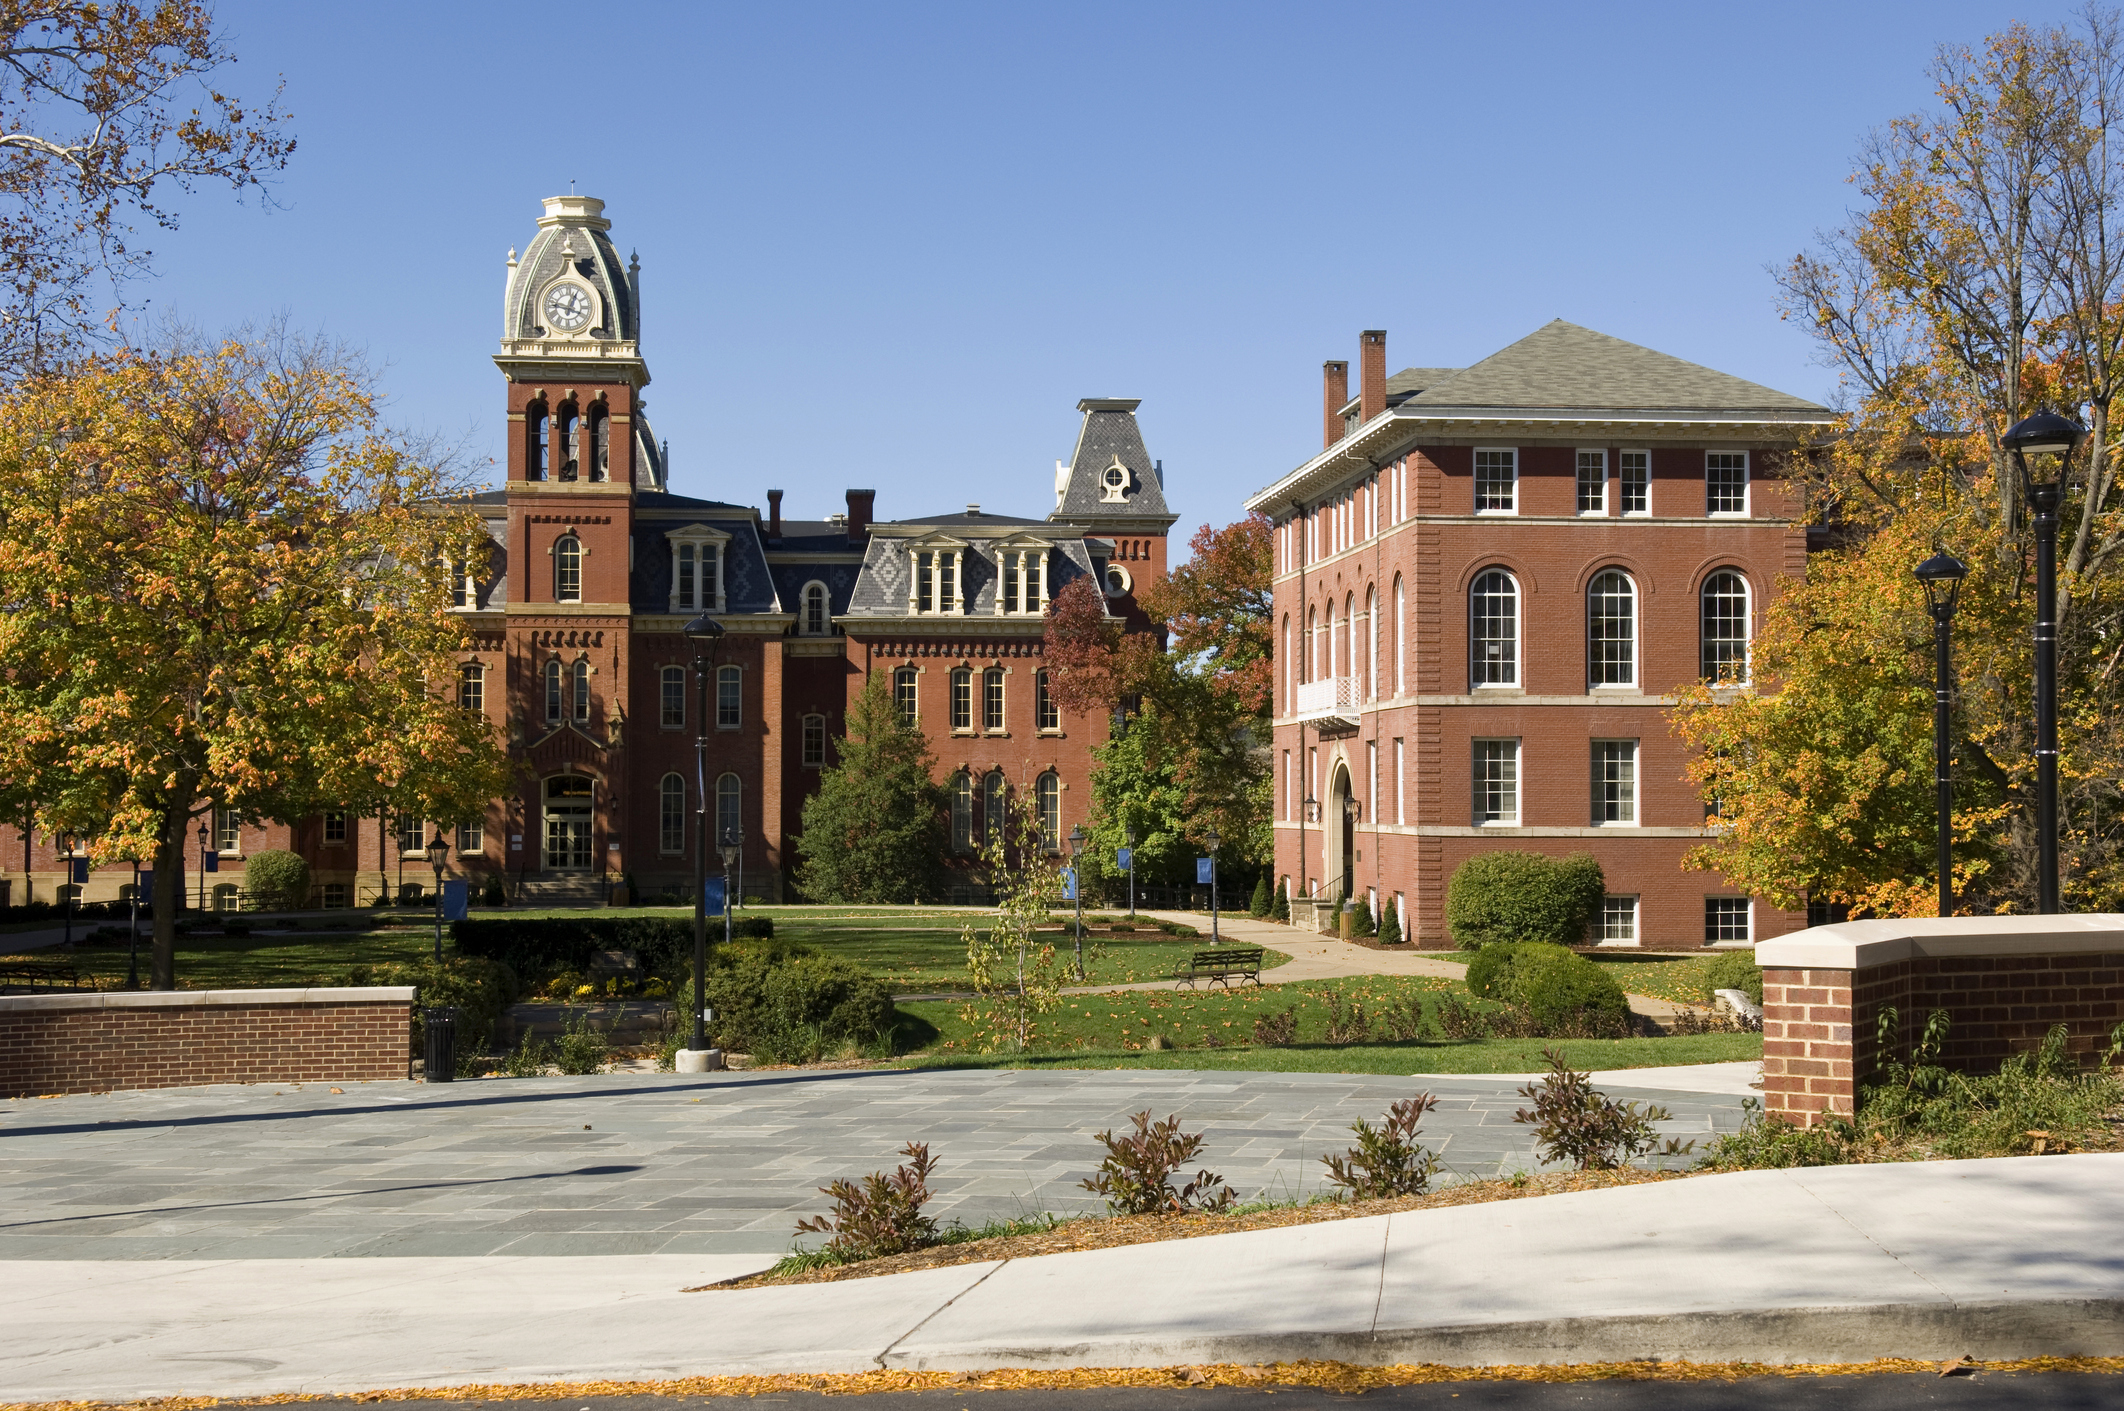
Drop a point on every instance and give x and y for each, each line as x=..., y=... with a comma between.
x=698, y=555
x=936, y=574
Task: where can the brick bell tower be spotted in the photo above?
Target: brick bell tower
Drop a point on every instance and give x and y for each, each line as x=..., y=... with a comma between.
x=579, y=452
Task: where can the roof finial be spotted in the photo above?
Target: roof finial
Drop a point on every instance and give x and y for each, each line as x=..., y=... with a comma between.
x=571, y=186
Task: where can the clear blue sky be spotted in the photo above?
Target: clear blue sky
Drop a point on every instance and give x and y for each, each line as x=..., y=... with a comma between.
x=893, y=245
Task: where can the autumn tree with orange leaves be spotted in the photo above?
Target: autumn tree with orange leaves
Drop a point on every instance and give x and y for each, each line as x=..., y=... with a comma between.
x=1981, y=281
x=222, y=587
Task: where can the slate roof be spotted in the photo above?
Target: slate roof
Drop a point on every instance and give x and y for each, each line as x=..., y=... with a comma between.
x=590, y=252
x=1563, y=367
x=748, y=585
x=1109, y=433
x=882, y=589
x=964, y=518
x=814, y=536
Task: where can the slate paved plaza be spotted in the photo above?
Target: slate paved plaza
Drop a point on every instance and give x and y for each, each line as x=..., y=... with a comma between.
x=659, y=1164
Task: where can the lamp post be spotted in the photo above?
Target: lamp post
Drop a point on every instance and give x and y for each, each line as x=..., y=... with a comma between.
x=2051, y=438
x=733, y=850
x=132, y=954
x=438, y=854
x=1942, y=576
x=1130, y=835
x=66, y=841
x=1076, y=885
x=202, y=866
x=706, y=634
x=1214, y=841
x=1308, y=812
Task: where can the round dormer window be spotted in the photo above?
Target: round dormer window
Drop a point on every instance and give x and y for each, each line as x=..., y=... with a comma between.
x=1116, y=476
x=1117, y=580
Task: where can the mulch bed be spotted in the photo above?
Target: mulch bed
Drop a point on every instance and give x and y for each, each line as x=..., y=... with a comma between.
x=1115, y=1231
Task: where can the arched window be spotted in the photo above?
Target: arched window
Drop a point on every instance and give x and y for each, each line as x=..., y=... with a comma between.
x=1371, y=644
x=1401, y=643
x=1725, y=628
x=1050, y=713
x=582, y=689
x=472, y=687
x=571, y=442
x=536, y=463
x=554, y=709
x=671, y=815
x=1312, y=644
x=729, y=697
x=672, y=698
x=600, y=443
x=995, y=803
x=817, y=617
x=1290, y=697
x=1611, y=629
x=903, y=692
x=1350, y=663
x=814, y=742
x=1327, y=630
x=729, y=808
x=962, y=812
x=568, y=570
x=1049, y=793
x=962, y=698
x=1493, y=630
x=992, y=698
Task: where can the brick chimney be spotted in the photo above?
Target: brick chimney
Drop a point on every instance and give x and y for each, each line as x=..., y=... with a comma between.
x=861, y=504
x=1334, y=391
x=774, y=514
x=1372, y=377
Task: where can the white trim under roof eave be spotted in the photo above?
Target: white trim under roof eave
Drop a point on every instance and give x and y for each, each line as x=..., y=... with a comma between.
x=1397, y=427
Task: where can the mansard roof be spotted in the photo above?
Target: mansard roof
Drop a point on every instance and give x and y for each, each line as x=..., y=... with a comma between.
x=968, y=519
x=881, y=591
x=1108, y=437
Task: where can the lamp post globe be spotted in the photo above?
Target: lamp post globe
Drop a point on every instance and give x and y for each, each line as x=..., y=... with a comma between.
x=2051, y=439
x=1941, y=576
x=438, y=854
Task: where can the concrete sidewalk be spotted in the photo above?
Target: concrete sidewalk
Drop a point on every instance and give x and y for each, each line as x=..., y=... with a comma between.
x=1994, y=1259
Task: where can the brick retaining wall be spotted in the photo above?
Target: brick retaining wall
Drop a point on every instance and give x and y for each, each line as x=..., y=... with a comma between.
x=2004, y=981
x=81, y=1043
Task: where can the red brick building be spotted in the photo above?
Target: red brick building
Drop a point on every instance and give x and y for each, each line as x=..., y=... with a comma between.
x=1488, y=584
x=595, y=566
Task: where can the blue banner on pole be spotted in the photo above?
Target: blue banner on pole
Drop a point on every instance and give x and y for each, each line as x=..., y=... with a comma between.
x=1069, y=884
x=456, y=899
x=80, y=870
x=211, y=862
x=712, y=889
x=1205, y=870
x=1125, y=858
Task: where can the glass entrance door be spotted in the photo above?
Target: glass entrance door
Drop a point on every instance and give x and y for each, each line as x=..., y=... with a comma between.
x=568, y=800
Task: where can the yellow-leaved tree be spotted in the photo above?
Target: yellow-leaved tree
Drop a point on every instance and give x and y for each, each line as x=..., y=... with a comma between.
x=221, y=587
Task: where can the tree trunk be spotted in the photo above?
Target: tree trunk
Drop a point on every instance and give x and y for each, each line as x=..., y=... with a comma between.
x=169, y=896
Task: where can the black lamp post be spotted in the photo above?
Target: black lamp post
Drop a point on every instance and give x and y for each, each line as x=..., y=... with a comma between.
x=438, y=854
x=1130, y=835
x=1214, y=842
x=66, y=841
x=1076, y=886
x=132, y=953
x=706, y=634
x=1942, y=576
x=733, y=850
x=1308, y=812
x=202, y=866
x=2051, y=438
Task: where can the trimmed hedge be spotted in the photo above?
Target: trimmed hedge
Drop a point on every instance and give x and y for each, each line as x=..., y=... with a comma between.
x=1507, y=897
x=275, y=880
x=1562, y=994
x=781, y=1002
x=664, y=944
x=481, y=989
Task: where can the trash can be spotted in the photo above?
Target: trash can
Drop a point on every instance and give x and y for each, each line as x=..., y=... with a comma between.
x=439, y=1062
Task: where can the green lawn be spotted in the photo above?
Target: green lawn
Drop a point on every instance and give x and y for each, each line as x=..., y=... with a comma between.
x=1679, y=978
x=254, y=962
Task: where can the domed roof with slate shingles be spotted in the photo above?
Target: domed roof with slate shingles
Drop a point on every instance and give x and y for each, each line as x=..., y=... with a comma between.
x=572, y=238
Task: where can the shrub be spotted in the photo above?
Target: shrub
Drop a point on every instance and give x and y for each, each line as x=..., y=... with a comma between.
x=1573, y=1122
x=1347, y=1022
x=1264, y=900
x=784, y=1003
x=883, y=1215
x=1280, y=910
x=479, y=989
x=664, y=944
x=1386, y=1160
x=1734, y=970
x=1457, y=1019
x=1136, y=1178
x=582, y=1050
x=1500, y=897
x=1276, y=1030
x=1389, y=924
x=1361, y=923
x=276, y=880
x=1561, y=994
x=492, y=894
x=1765, y=1142
x=528, y=1059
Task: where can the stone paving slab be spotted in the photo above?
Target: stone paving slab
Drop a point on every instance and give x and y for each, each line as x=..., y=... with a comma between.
x=634, y=1163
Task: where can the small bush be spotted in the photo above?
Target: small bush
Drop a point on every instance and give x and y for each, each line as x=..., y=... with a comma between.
x=528, y=1059
x=1765, y=1142
x=1734, y=970
x=787, y=1004
x=1276, y=1030
x=1347, y=1022
x=582, y=1050
x=664, y=944
x=1281, y=909
x=1136, y=1178
x=1264, y=901
x=1361, y=923
x=1573, y=1122
x=1459, y=1019
x=1562, y=994
x=493, y=894
x=883, y=1215
x=1402, y=1019
x=1389, y=924
x=1501, y=897
x=1386, y=1160
x=479, y=989
x=275, y=880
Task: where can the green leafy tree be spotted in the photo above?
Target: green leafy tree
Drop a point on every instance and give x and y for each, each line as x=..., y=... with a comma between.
x=1280, y=910
x=1264, y=900
x=1016, y=976
x=874, y=832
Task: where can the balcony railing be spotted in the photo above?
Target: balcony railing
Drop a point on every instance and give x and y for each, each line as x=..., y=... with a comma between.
x=1330, y=698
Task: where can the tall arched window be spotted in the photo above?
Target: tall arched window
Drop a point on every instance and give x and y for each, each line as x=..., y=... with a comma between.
x=1327, y=630
x=555, y=710
x=1493, y=630
x=903, y=692
x=817, y=618
x=962, y=698
x=962, y=812
x=992, y=698
x=1049, y=713
x=1611, y=629
x=472, y=687
x=537, y=465
x=1312, y=644
x=600, y=443
x=582, y=690
x=568, y=570
x=995, y=803
x=671, y=700
x=671, y=814
x=813, y=748
x=729, y=808
x=1401, y=643
x=1350, y=663
x=729, y=697
x=1371, y=644
x=1725, y=628
x=571, y=442
x=1049, y=793
x=1290, y=697
x=686, y=576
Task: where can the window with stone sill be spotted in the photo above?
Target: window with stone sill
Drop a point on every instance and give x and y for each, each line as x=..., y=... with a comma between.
x=1021, y=589
x=696, y=575
x=815, y=616
x=228, y=831
x=471, y=838
x=568, y=569
x=1050, y=713
x=729, y=697
x=992, y=699
x=904, y=681
x=671, y=815
x=814, y=742
x=335, y=827
x=581, y=680
x=961, y=698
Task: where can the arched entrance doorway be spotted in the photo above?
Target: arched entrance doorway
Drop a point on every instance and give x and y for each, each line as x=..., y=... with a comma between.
x=568, y=812
x=1338, y=826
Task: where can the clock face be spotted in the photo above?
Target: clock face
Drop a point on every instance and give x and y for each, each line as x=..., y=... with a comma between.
x=567, y=307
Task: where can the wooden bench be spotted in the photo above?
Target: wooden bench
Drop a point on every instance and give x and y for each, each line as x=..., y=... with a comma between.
x=42, y=975
x=1219, y=964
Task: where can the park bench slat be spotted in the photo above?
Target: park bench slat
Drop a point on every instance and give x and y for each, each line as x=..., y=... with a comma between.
x=1219, y=965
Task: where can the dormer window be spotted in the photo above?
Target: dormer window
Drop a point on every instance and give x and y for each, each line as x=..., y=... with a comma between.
x=816, y=617
x=936, y=582
x=697, y=568
x=1023, y=585
x=1114, y=483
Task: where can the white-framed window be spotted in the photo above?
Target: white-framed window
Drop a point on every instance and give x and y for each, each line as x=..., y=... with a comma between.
x=1725, y=482
x=814, y=742
x=995, y=803
x=1371, y=760
x=729, y=697
x=1725, y=629
x=1615, y=783
x=1636, y=477
x=671, y=814
x=1496, y=481
x=1611, y=629
x=729, y=808
x=568, y=569
x=581, y=674
x=1592, y=482
x=697, y=562
x=1290, y=698
x=1400, y=786
x=1497, y=783
x=1371, y=644
x=412, y=835
x=471, y=838
x=1050, y=710
x=1618, y=920
x=464, y=584
x=228, y=831
x=1047, y=792
x=1401, y=643
x=962, y=812
x=1021, y=586
x=472, y=687
x=1289, y=793
x=904, y=680
x=555, y=706
x=1493, y=629
x=962, y=698
x=992, y=699
x=1728, y=921
x=815, y=615
x=935, y=582
x=671, y=698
